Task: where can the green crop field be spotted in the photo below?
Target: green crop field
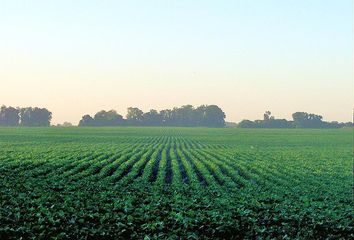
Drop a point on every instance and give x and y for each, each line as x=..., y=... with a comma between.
x=170, y=183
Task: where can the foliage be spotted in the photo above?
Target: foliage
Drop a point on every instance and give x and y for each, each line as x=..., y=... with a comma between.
x=65, y=124
x=35, y=117
x=300, y=120
x=29, y=117
x=87, y=121
x=185, y=116
x=135, y=116
x=108, y=118
x=9, y=116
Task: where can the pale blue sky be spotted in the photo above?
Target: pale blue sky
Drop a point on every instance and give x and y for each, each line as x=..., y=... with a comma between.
x=77, y=57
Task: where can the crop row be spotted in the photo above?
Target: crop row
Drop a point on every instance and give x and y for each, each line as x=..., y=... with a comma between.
x=161, y=160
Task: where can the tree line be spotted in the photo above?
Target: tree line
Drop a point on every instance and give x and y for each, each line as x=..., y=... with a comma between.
x=28, y=116
x=185, y=116
x=300, y=120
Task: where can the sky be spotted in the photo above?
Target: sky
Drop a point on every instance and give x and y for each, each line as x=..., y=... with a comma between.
x=79, y=57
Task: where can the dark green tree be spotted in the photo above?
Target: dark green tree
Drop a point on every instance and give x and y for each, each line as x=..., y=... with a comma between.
x=135, y=116
x=184, y=116
x=166, y=117
x=9, y=116
x=35, y=117
x=306, y=120
x=86, y=121
x=152, y=118
x=108, y=118
x=213, y=117
x=267, y=116
x=246, y=124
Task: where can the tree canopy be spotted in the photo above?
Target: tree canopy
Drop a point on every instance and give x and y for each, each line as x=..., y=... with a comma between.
x=185, y=116
x=110, y=118
x=35, y=117
x=32, y=117
x=86, y=121
x=300, y=120
x=9, y=116
x=135, y=116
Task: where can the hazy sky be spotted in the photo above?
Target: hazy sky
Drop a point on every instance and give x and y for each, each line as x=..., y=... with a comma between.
x=78, y=57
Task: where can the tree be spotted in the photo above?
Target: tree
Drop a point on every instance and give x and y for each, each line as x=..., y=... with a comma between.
x=185, y=116
x=134, y=116
x=300, y=120
x=246, y=124
x=230, y=125
x=86, y=121
x=152, y=118
x=277, y=123
x=110, y=118
x=41, y=117
x=9, y=116
x=213, y=116
x=268, y=121
x=166, y=117
x=266, y=116
x=65, y=124
x=25, y=116
x=35, y=117
x=306, y=120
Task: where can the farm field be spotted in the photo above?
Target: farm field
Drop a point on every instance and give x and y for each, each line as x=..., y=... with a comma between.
x=170, y=183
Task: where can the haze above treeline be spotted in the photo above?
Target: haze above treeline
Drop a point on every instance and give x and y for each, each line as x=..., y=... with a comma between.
x=185, y=116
